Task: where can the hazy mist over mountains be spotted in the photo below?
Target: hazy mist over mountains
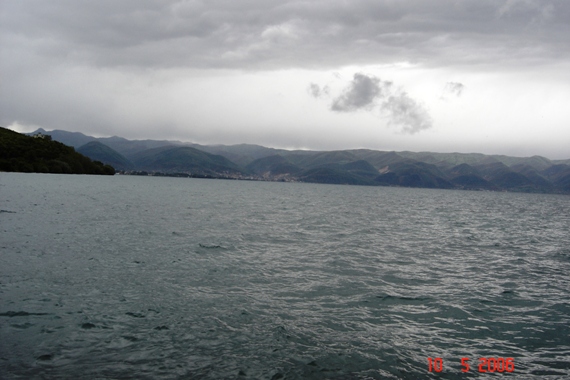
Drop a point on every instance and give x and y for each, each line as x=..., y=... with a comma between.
x=472, y=171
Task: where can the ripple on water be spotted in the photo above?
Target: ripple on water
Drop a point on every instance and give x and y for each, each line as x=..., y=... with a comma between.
x=156, y=278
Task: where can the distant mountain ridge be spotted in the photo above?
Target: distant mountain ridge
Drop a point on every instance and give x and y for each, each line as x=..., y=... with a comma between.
x=469, y=171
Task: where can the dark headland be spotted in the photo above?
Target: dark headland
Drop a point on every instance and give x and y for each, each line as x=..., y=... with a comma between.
x=41, y=154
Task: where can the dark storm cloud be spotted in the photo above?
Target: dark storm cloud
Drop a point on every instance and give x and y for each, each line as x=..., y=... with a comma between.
x=372, y=94
x=276, y=34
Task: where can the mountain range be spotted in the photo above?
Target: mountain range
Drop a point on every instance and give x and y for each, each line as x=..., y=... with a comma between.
x=469, y=171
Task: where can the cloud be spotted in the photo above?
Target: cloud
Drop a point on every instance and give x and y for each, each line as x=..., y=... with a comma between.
x=453, y=89
x=372, y=94
x=360, y=93
x=316, y=91
x=406, y=113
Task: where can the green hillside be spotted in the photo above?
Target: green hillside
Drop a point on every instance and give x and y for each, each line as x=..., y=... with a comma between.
x=21, y=153
x=101, y=152
x=379, y=159
x=241, y=154
x=318, y=159
x=333, y=176
x=186, y=160
x=417, y=174
x=272, y=165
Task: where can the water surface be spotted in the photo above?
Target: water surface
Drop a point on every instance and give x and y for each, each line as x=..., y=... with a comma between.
x=162, y=278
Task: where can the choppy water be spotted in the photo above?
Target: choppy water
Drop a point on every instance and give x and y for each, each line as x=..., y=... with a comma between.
x=165, y=278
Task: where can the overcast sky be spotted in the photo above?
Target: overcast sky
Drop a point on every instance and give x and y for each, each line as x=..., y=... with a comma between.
x=488, y=76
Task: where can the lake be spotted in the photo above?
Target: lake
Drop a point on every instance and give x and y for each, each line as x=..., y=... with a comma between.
x=173, y=278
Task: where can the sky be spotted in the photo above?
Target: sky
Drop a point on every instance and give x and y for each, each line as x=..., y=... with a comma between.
x=486, y=76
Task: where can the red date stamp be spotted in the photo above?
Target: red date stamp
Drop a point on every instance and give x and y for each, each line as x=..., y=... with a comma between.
x=485, y=365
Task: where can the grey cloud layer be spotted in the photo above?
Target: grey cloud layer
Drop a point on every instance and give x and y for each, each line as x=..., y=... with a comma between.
x=276, y=34
x=372, y=94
